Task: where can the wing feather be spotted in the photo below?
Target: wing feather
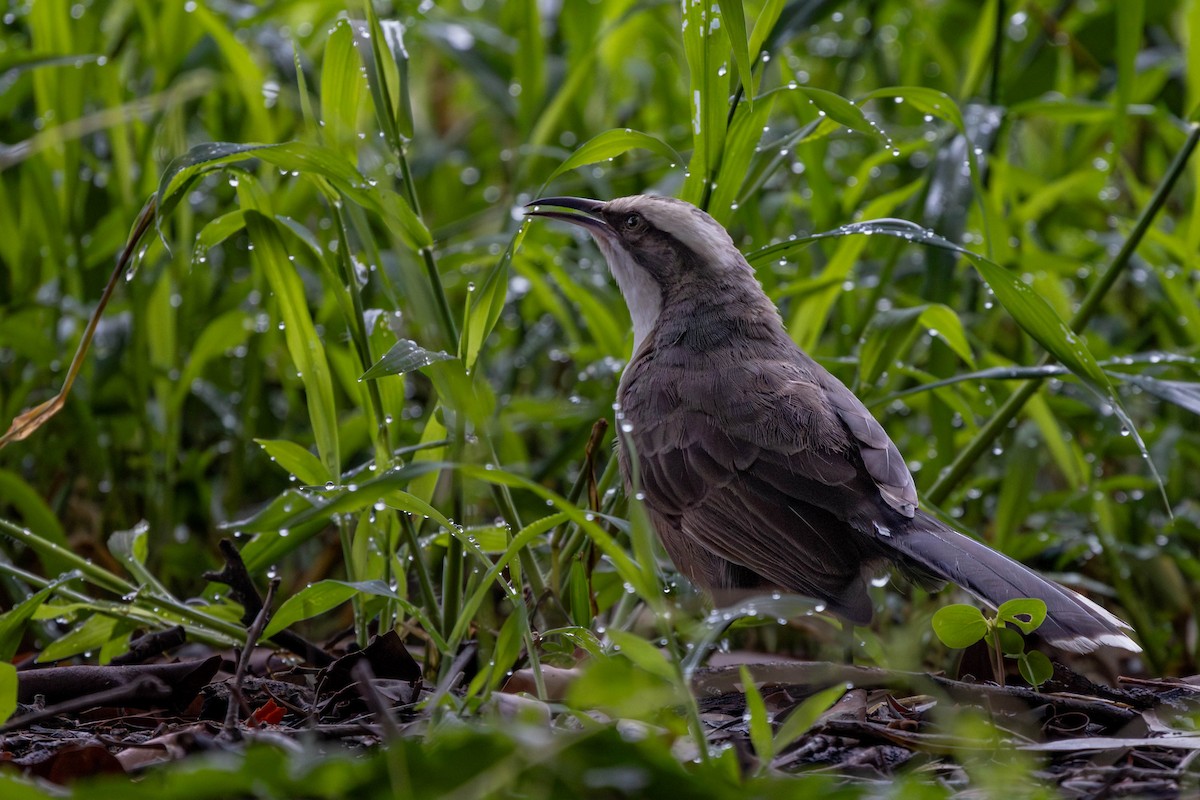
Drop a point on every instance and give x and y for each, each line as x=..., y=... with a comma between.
x=882, y=460
x=784, y=477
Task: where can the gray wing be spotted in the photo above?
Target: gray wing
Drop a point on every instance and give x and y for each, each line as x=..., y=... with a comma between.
x=780, y=483
x=882, y=460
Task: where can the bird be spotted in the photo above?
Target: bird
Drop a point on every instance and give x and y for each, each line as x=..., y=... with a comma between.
x=757, y=467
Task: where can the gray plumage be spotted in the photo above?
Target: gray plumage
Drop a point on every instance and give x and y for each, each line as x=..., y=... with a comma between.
x=758, y=467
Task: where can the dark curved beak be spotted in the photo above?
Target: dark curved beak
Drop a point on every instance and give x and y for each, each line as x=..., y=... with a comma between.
x=577, y=210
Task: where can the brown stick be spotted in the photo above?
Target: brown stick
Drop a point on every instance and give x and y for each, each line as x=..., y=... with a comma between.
x=255, y=631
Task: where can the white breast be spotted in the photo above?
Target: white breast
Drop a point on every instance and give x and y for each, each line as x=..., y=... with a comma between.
x=641, y=292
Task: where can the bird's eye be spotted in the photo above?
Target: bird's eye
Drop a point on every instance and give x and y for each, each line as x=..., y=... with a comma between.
x=633, y=222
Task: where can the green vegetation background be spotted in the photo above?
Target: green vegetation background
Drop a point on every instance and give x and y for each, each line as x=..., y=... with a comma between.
x=224, y=394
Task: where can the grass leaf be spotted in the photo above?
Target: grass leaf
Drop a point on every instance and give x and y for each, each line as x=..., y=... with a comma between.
x=644, y=654
x=404, y=356
x=801, y=719
x=733, y=17
x=303, y=343
x=760, y=725
x=707, y=54
x=611, y=143
x=8, y=691
x=341, y=90
x=297, y=460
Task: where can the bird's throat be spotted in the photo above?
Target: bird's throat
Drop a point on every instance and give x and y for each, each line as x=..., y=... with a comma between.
x=642, y=293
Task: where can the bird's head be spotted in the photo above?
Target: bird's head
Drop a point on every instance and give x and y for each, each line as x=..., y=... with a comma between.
x=653, y=245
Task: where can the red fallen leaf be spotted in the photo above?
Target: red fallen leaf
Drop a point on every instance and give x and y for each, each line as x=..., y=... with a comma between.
x=269, y=713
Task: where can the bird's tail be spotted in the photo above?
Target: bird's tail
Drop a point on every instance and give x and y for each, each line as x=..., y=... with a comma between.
x=1073, y=622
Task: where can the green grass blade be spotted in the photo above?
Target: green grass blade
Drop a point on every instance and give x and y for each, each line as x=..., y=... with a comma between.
x=801, y=719
x=303, y=343
x=707, y=55
x=760, y=725
x=1131, y=18
x=341, y=91
x=740, y=147
x=484, y=308
x=404, y=356
x=297, y=460
x=305, y=159
x=385, y=58
x=8, y=698
x=733, y=20
x=612, y=143
x=13, y=621
x=529, y=69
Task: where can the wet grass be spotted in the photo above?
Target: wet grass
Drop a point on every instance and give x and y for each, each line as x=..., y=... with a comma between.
x=339, y=193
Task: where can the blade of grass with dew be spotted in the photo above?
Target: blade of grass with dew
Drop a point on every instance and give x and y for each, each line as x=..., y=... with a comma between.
x=707, y=53
x=643, y=654
x=320, y=598
x=295, y=507
x=307, y=160
x=154, y=611
x=609, y=144
x=524, y=538
x=13, y=621
x=389, y=77
x=388, y=488
x=939, y=104
x=759, y=723
x=733, y=18
x=767, y=18
x=484, y=310
x=529, y=67
x=295, y=460
x=403, y=357
x=216, y=231
x=810, y=314
x=342, y=86
x=93, y=573
x=1131, y=17
x=802, y=718
x=93, y=634
x=303, y=343
x=640, y=577
x=741, y=143
x=839, y=110
x=131, y=548
x=891, y=332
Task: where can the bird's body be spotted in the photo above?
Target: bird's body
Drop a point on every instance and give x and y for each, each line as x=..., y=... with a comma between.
x=757, y=466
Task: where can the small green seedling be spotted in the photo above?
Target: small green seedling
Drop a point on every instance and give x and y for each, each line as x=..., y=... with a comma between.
x=961, y=626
